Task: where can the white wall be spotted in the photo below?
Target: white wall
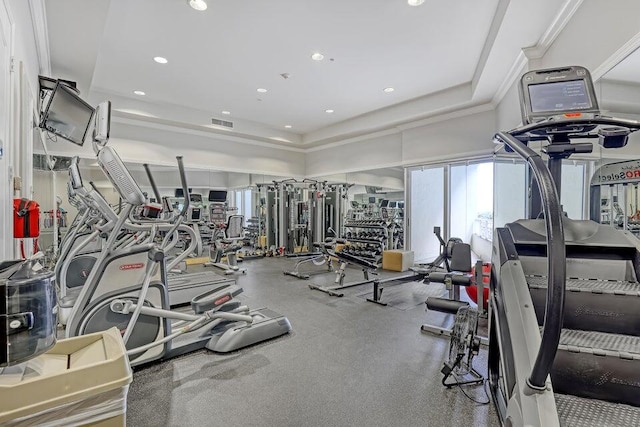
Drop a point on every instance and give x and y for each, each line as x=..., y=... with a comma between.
x=6, y=140
x=454, y=138
x=199, y=149
x=364, y=154
x=440, y=140
x=18, y=87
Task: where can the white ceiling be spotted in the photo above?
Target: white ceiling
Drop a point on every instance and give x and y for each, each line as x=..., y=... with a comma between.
x=439, y=56
x=218, y=58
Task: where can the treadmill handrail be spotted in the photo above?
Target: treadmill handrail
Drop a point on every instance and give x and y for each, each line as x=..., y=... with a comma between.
x=556, y=261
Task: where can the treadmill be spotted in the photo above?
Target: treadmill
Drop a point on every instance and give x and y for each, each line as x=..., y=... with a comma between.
x=565, y=299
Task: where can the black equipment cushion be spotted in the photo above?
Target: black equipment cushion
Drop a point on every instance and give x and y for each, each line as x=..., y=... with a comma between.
x=444, y=305
x=461, y=257
x=459, y=279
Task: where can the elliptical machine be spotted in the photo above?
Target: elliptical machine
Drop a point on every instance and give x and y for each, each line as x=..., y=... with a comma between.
x=138, y=302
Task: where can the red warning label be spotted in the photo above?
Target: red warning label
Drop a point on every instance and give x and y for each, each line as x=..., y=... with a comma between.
x=132, y=266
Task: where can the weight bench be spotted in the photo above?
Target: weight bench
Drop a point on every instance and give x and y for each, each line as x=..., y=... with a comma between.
x=316, y=258
x=460, y=266
x=367, y=269
x=346, y=259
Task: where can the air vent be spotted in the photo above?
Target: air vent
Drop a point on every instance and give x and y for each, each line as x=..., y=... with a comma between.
x=224, y=123
x=372, y=190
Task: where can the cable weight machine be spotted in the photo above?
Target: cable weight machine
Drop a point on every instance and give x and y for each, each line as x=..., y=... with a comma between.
x=296, y=213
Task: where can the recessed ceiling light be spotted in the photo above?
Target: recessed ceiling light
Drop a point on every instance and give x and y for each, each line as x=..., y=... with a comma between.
x=317, y=56
x=160, y=60
x=388, y=89
x=328, y=111
x=262, y=90
x=198, y=5
x=415, y=2
x=226, y=113
x=139, y=92
x=287, y=126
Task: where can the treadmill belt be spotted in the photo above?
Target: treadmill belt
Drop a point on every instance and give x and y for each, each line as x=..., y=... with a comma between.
x=581, y=412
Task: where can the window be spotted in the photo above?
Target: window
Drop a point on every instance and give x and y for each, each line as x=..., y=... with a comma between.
x=471, y=206
x=426, y=210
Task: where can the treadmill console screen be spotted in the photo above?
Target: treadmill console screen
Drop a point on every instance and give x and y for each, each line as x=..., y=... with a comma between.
x=217, y=196
x=559, y=96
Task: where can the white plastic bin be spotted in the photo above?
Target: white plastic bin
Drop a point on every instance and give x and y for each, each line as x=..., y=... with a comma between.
x=81, y=381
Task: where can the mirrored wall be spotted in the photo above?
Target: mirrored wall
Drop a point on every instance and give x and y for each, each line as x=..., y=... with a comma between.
x=615, y=173
x=370, y=193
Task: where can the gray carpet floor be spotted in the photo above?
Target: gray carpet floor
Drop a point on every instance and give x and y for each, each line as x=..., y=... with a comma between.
x=347, y=362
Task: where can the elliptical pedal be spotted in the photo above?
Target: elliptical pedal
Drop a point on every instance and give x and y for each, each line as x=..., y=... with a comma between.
x=267, y=324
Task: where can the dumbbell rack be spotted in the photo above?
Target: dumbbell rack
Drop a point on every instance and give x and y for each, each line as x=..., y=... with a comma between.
x=253, y=231
x=368, y=238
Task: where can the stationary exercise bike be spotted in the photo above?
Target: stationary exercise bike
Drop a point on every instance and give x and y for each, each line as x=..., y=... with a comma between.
x=226, y=244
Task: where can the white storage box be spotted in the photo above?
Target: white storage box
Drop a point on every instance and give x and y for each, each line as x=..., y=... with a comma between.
x=80, y=381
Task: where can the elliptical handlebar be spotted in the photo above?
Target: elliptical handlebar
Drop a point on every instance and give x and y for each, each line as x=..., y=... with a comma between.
x=556, y=264
x=152, y=182
x=185, y=187
x=183, y=213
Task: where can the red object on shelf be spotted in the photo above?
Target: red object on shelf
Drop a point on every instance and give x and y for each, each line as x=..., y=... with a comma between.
x=472, y=291
x=26, y=219
x=26, y=222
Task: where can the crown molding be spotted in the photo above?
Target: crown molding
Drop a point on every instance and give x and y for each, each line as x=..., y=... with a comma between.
x=554, y=30
x=41, y=35
x=620, y=54
x=205, y=131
